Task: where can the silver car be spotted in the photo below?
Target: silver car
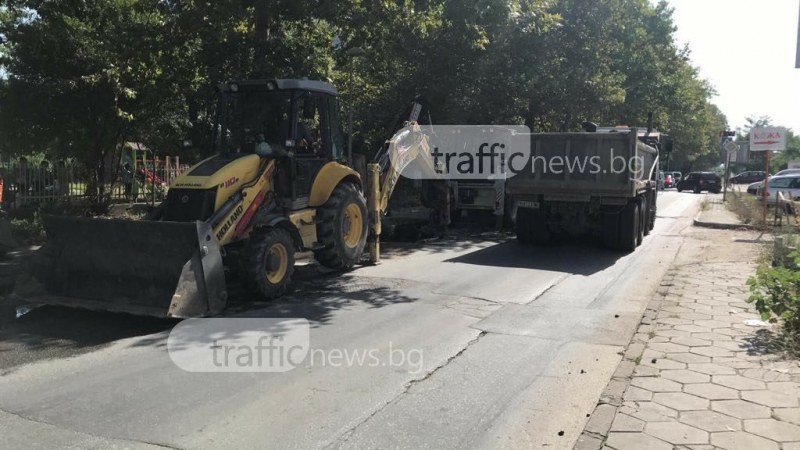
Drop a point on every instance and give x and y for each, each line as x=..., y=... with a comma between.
x=789, y=185
x=752, y=188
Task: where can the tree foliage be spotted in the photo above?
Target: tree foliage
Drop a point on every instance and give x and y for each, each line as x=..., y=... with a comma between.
x=85, y=75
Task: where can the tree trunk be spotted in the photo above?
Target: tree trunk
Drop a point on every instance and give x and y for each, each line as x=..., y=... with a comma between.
x=262, y=30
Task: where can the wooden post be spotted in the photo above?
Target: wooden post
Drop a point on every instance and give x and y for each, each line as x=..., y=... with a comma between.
x=764, y=195
x=727, y=175
x=373, y=205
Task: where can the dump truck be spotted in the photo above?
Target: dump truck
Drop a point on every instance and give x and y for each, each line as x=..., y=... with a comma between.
x=279, y=183
x=600, y=182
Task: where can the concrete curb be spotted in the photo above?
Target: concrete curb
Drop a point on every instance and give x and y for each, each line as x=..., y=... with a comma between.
x=724, y=226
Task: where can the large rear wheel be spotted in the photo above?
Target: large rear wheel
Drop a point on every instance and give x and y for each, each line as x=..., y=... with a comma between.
x=642, y=203
x=629, y=227
x=270, y=261
x=342, y=228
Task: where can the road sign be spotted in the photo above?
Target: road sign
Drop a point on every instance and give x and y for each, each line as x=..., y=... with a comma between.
x=767, y=139
x=732, y=148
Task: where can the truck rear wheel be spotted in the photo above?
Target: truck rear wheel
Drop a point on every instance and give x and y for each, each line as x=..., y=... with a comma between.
x=641, y=204
x=629, y=227
x=342, y=228
x=645, y=225
x=270, y=261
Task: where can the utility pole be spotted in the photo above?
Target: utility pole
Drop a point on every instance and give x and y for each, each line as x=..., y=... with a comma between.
x=728, y=147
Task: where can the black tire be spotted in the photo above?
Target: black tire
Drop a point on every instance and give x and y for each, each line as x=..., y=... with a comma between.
x=680, y=189
x=629, y=227
x=716, y=192
x=270, y=261
x=697, y=190
x=344, y=213
x=643, y=219
x=523, y=227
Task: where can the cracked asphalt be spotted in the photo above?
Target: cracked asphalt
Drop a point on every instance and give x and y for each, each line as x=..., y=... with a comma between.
x=516, y=344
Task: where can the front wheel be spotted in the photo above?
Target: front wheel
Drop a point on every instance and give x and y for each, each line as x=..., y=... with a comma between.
x=342, y=228
x=270, y=261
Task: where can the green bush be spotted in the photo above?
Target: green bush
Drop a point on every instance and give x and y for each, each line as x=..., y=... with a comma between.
x=775, y=291
x=28, y=230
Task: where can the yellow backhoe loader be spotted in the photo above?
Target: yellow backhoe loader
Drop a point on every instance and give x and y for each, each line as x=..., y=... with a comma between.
x=280, y=184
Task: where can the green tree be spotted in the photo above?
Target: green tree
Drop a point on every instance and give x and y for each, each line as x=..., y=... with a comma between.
x=84, y=76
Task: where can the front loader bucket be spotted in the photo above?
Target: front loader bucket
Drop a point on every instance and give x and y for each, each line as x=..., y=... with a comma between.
x=163, y=269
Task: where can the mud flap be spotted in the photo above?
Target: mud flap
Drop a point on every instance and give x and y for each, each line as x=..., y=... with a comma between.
x=163, y=269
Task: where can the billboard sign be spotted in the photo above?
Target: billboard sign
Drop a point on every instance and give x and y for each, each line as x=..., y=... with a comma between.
x=767, y=139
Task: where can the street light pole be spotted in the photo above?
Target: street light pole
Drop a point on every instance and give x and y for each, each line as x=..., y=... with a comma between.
x=352, y=53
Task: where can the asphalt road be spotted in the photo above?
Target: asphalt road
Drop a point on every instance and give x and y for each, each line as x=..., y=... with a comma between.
x=504, y=346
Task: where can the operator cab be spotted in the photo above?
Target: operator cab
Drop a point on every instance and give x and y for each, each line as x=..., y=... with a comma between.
x=296, y=121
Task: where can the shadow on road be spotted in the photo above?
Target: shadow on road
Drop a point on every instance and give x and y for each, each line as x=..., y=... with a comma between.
x=581, y=256
x=315, y=295
x=54, y=331
x=51, y=332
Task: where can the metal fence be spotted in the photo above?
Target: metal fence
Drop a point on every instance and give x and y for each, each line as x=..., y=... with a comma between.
x=25, y=184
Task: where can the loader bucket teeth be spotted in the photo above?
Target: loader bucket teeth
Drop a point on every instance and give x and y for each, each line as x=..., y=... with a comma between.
x=163, y=269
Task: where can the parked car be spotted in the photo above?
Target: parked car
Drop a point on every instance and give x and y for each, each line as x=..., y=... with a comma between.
x=789, y=185
x=669, y=182
x=753, y=187
x=701, y=181
x=677, y=177
x=748, y=177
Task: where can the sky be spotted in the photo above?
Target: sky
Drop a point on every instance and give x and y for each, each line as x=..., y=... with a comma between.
x=747, y=50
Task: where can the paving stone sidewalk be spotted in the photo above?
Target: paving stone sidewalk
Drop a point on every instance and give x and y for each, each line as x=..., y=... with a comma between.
x=697, y=374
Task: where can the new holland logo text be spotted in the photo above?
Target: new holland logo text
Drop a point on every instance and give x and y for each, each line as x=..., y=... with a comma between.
x=229, y=223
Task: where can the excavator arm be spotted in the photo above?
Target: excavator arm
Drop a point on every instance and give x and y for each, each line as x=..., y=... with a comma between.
x=408, y=145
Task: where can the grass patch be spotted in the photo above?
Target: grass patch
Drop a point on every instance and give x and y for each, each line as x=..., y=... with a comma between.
x=747, y=207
